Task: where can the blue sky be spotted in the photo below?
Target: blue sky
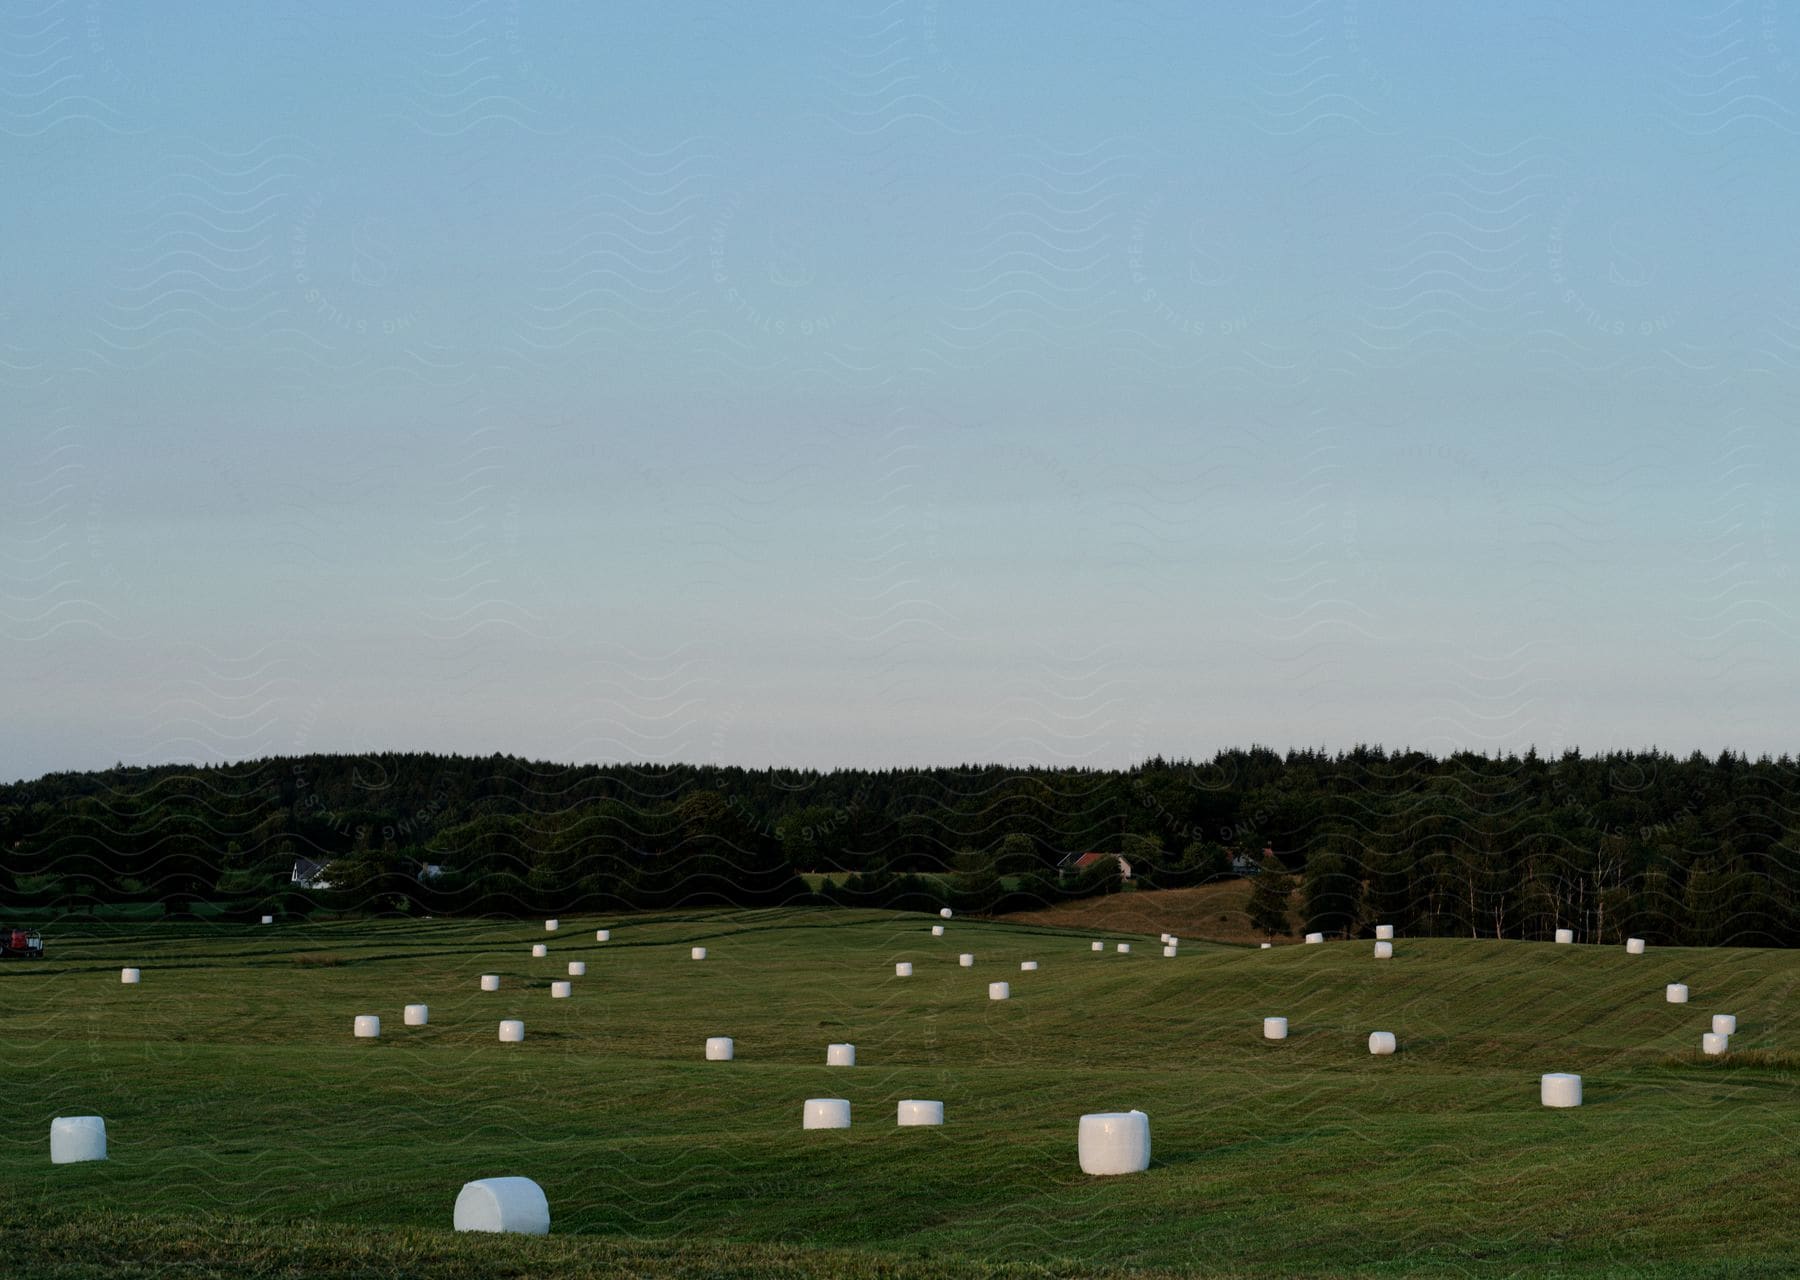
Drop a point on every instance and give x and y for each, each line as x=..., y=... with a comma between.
x=896, y=383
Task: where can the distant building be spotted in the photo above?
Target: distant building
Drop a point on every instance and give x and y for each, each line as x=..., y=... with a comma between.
x=309, y=873
x=1075, y=863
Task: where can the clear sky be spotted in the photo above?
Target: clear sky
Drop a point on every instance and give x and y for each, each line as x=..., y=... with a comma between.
x=903, y=382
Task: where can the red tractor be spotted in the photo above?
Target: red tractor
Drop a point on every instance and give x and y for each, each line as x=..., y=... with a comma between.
x=21, y=944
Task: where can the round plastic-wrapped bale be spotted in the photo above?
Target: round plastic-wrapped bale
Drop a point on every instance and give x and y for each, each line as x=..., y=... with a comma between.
x=720, y=1049
x=1725, y=1024
x=914, y=1111
x=1268, y=946
x=1676, y=993
x=1315, y=938
x=1381, y=1043
x=1274, y=1028
x=1124, y=948
x=514, y=1205
x=1096, y=946
x=966, y=960
x=903, y=969
x=1169, y=953
x=603, y=935
x=698, y=953
x=1565, y=936
x=539, y=951
x=130, y=977
x=826, y=1113
x=1114, y=1142
x=937, y=930
x=561, y=990
x=1560, y=1089
x=945, y=912
x=840, y=1055
x=550, y=926
x=268, y=919
x=1634, y=946
x=367, y=1027
x=1174, y=941
x=512, y=1031
x=77, y=1138
x=1028, y=966
x=578, y=968
x=418, y=1015
x=490, y=982
x=1384, y=951
x=1384, y=933
x=999, y=991
x=1713, y=1044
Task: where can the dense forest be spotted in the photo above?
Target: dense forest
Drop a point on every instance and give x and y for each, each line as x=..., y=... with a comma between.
x=1691, y=850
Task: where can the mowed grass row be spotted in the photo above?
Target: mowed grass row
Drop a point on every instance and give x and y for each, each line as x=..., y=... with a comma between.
x=232, y=1088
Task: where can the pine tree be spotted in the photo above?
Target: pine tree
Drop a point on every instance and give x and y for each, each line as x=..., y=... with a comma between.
x=1269, y=898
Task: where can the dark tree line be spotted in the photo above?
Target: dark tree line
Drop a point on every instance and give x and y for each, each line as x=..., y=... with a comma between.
x=1673, y=849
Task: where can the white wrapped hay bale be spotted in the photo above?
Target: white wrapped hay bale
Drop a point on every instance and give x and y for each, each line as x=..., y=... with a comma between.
x=1114, y=1142
x=561, y=990
x=539, y=951
x=1565, y=936
x=937, y=930
x=1096, y=946
x=130, y=977
x=915, y=1111
x=1560, y=1089
x=1676, y=993
x=999, y=991
x=1266, y=946
x=1315, y=938
x=1168, y=953
x=514, y=1205
x=1274, y=1028
x=1724, y=1024
x=417, y=1015
x=903, y=969
x=944, y=912
x=1384, y=933
x=550, y=926
x=490, y=982
x=697, y=953
x=1634, y=946
x=826, y=1113
x=367, y=1027
x=720, y=1049
x=268, y=919
x=74, y=1139
x=603, y=935
x=840, y=1055
x=1381, y=1043
x=578, y=968
x=1028, y=966
x=512, y=1031
x=1124, y=948
x=1174, y=941
x=966, y=960
x=1713, y=1044
x=1163, y=938
x=1384, y=951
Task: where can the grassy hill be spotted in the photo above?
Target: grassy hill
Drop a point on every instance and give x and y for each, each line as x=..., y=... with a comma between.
x=251, y=1135
x=1213, y=912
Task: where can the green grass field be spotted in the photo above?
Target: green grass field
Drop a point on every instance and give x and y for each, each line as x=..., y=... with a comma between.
x=250, y=1134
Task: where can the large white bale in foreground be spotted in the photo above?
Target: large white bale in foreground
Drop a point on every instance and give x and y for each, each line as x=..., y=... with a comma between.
x=826, y=1113
x=1634, y=946
x=1676, y=993
x=966, y=960
x=999, y=991
x=840, y=1055
x=1315, y=939
x=1381, y=1043
x=937, y=930
x=131, y=977
x=512, y=1031
x=561, y=990
x=1274, y=1028
x=698, y=953
x=1565, y=936
x=490, y=982
x=77, y=1138
x=603, y=935
x=1384, y=933
x=1725, y=1024
x=578, y=968
x=539, y=951
x=515, y=1205
x=903, y=969
x=914, y=1111
x=1713, y=1044
x=417, y=1015
x=1113, y=1142
x=1560, y=1089
x=551, y=926
x=945, y=912
x=1384, y=950
x=720, y=1049
x=367, y=1027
